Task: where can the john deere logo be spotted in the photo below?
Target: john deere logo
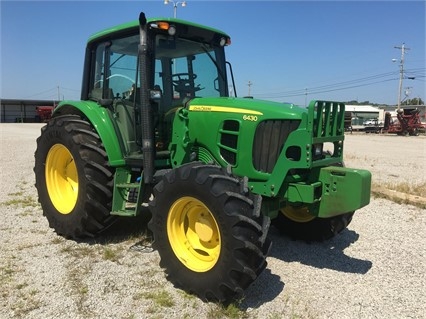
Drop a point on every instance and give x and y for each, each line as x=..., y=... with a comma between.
x=222, y=109
x=201, y=108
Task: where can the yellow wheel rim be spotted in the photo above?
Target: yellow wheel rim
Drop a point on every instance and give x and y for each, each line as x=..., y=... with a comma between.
x=297, y=214
x=61, y=178
x=193, y=234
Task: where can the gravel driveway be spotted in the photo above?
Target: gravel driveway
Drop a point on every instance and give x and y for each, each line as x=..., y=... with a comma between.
x=374, y=269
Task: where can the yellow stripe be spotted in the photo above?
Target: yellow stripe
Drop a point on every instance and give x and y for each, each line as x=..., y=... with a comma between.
x=208, y=108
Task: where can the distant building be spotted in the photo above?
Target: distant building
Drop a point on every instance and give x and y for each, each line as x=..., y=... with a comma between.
x=22, y=111
x=363, y=113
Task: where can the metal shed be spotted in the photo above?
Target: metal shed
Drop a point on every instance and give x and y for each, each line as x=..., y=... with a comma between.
x=21, y=111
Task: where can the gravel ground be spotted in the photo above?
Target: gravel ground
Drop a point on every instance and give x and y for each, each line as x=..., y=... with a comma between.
x=374, y=269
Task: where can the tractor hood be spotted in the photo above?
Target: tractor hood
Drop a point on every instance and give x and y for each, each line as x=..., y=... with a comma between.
x=250, y=109
x=239, y=132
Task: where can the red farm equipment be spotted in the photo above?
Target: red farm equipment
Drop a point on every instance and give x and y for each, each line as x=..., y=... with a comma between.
x=44, y=113
x=408, y=122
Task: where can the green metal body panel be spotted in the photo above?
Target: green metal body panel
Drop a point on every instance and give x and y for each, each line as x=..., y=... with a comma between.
x=101, y=119
x=135, y=25
x=328, y=190
x=204, y=120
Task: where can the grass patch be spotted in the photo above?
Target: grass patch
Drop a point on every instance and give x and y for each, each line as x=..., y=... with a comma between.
x=6, y=273
x=232, y=311
x=111, y=254
x=404, y=192
x=76, y=275
x=21, y=298
x=58, y=240
x=19, y=197
x=22, y=201
x=416, y=190
x=403, y=187
x=161, y=298
x=26, y=302
x=79, y=251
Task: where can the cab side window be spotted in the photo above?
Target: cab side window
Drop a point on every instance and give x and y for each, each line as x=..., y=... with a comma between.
x=114, y=73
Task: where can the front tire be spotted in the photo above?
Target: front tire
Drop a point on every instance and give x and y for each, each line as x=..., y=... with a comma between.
x=73, y=178
x=209, y=232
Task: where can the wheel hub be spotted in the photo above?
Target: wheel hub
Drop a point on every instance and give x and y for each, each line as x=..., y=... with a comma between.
x=61, y=178
x=193, y=234
x=297, y=214
x=204, y=230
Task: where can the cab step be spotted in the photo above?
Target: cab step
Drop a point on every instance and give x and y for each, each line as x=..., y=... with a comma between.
x=126, y=200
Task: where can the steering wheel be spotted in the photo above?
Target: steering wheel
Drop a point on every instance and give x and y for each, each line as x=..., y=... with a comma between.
x=183, y=85
x=181, y=78
x=121, y=86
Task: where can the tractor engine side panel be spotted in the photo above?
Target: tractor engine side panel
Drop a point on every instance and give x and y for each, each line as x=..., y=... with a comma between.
x=249, y=139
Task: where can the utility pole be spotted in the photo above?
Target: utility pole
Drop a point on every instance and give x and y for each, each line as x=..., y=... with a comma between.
x=401, y=71
x=306, y=96
x=175, y=5
x=249, y=84
x=231, y=91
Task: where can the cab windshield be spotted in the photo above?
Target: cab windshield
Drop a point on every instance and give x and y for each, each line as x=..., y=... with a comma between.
x=182, y=69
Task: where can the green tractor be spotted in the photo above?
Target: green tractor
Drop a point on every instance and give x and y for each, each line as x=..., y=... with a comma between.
x=156, y=124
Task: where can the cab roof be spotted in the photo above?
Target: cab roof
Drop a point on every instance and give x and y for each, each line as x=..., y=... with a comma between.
x=128, y=26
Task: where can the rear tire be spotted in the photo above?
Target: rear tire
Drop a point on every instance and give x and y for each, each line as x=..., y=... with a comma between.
x=209, y=232
x=73, y=178
x=315, y=229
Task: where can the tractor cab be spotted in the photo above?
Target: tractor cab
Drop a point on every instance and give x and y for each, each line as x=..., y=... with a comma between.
x=182, y=61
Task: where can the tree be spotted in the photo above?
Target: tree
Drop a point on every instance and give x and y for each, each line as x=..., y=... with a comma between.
x=413, y=101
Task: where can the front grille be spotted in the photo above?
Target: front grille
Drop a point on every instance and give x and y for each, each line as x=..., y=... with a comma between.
x=269, y=140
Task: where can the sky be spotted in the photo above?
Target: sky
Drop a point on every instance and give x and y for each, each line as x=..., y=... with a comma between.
x=285, y=51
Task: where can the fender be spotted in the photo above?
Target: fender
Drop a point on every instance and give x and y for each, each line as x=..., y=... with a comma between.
x=100, y=118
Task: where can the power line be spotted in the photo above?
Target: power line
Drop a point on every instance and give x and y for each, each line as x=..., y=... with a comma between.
x=333, y=85
x=68, y=89
x=41, y=93
x=360, y=82
x=51, y=93
x=316, y=91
